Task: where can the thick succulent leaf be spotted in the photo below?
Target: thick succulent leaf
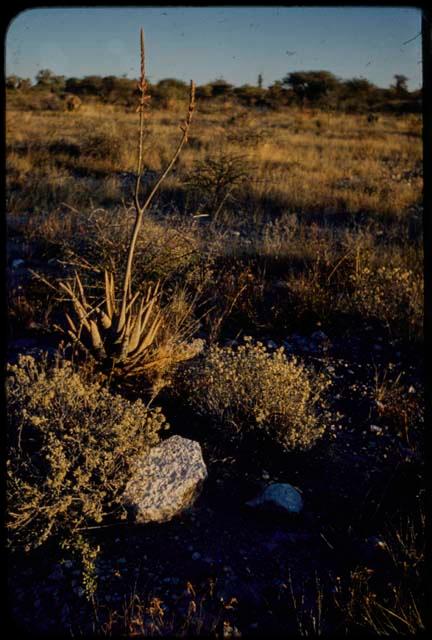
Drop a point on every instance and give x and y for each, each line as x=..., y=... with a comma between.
x=109, y=294
x=148, y=337
x=84, y=302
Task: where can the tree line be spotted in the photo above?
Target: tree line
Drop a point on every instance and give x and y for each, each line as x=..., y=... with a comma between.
x=320, y=89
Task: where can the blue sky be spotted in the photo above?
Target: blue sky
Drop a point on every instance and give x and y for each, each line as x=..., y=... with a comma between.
x=205, y=43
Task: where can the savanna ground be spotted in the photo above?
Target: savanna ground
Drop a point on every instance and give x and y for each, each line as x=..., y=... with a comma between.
x=303, y=230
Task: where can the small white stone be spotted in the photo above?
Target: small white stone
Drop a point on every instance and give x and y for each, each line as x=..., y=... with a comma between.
x=375, y=429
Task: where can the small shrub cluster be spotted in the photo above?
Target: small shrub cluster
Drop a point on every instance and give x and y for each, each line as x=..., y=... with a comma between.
x=256, y=390
x=392, y=295
x=71, y=445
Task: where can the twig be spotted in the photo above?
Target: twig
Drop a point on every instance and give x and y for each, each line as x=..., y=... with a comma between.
x=326, y=541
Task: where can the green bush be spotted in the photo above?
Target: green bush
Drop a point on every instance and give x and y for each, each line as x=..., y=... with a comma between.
x=256, y=390
x=71, y=446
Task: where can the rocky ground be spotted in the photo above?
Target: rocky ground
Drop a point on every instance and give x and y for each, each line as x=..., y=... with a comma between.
x=237, y=565
x=223, y=565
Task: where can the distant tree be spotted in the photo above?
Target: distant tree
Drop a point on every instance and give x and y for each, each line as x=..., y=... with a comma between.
x=15, y=82
x=172, y=83
x=311, y=85
x=170, y=89
x=401, y=84
x=260, y=81
x=358, y=86
x=249, y=95
x=221, y=87
x=108, y=85
x=204, y=91
x=73, y=85
x=25, y=83
x=358, y=94
x=110, y=88
x=47, y=79
x=44, y=76
x=276, y=95
x=91, y=85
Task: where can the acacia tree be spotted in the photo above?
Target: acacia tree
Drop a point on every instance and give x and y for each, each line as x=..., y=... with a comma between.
x=310, y=85
x=401, y=84
x=48, y=79
x=221, y=87
x=15, y=82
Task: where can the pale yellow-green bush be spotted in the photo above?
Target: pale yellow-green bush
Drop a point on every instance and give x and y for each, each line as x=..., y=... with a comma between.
x=71, y=445
x=256, y=390
x=393, y=295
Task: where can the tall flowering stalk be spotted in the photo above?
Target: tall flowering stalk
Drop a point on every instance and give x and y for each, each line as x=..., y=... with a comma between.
x=125, y=333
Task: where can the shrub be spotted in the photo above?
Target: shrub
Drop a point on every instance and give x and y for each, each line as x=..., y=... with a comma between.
x=255, y=390
x=71, y=445
x=101, y=237
x=104, y=144
x=392, y=295
x=214, y=181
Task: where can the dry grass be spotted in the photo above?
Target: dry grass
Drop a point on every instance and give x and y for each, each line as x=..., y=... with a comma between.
x=398, y=607
x=345, y=165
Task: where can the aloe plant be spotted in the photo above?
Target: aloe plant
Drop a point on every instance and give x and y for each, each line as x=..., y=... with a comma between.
x=123, y=333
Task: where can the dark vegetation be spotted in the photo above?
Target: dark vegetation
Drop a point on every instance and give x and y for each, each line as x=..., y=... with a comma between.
x=320, y=89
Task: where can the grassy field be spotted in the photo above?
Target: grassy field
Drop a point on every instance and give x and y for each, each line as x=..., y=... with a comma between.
x=299, y=162
x=298, y=230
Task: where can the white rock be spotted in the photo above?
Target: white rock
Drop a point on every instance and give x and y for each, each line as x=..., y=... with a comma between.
x=375, y=429
x=166, y=481
x=279, y=494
